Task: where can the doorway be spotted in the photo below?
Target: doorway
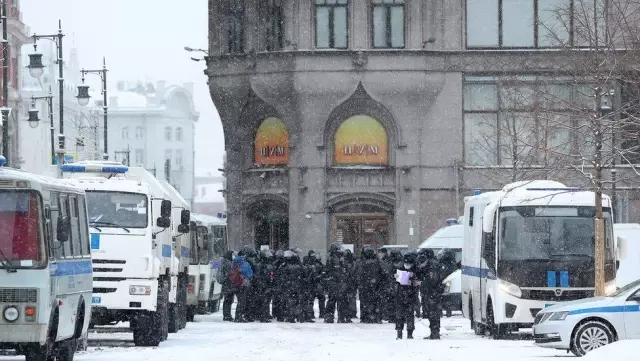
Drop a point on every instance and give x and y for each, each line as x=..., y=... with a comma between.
x=270, y=221
x=361, y=229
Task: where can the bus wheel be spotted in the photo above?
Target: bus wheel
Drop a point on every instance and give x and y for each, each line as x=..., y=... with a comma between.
x=495, y=331
x=66, y=350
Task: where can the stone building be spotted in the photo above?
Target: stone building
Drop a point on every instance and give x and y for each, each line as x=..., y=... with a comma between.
x=357, y=120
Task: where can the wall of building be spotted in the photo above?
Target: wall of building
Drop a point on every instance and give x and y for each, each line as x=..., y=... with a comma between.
x=415, y=92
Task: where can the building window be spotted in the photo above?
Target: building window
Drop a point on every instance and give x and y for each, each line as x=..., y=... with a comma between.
x=522, y=121
x=388, y=23
x=179, y=134
x=332, y=30
x=125, y=133
x=178, y=159
x=167, y=133
x=139, y=157
x=275, y=25
x=533, y=23
x=236, y=27
x=139, y=133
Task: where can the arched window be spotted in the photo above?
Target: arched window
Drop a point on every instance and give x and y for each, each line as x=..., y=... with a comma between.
x=167, y=133
x=271, y=145
x=125, y=133
x=179, y=134
x=361, y=140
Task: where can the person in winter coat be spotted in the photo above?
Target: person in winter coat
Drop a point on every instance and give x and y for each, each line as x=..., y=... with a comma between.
x=228, y=292
x=406, y=295
x=335, y=284
x=239, y=278
x=370, y=279
x=251, y=257
x=313, y=286
x=278, y=300
x=386, y=286
x=424, y=257
x=292, y=274
x=447, y=259
x=432, y=277
x=264, y=279
x=396, y=262
x=352, y=285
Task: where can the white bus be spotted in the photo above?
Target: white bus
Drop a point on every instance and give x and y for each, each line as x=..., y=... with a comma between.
x=131, y=246
x=46, y=276
x=527, y=247
x=212, y=244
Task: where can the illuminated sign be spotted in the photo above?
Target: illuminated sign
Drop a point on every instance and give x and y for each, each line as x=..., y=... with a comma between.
x=361, y=140
x=271, y=146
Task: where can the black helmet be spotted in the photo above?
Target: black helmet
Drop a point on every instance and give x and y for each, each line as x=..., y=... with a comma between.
x=410, y=257
x=335, y=248
x=289, y=254
x=395, y=256
x=368, y=252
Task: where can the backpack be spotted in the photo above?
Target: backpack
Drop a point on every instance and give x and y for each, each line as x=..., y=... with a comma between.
x=235, y=276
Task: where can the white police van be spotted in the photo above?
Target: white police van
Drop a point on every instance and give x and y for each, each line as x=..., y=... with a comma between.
x=131, y=247
x=46, y=277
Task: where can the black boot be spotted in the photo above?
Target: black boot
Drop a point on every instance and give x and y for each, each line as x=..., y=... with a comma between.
x=410, y=335
x=399, y=337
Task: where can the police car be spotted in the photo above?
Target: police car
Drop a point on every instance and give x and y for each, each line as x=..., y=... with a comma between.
x=584, y=325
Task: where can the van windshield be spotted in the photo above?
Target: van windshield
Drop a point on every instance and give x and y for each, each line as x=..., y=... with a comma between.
x=117, y=209
x=20, y=227
x=550, y=233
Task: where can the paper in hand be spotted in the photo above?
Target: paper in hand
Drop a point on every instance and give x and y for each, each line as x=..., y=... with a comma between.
x=403, y=277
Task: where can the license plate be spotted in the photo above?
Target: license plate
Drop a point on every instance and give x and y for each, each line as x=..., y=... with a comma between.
x=548, y=305
x=96, y=299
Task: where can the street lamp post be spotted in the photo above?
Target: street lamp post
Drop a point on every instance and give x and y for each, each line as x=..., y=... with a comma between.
x=84, y=97
x=5, y=85
x=36, y=68
x=33, y=118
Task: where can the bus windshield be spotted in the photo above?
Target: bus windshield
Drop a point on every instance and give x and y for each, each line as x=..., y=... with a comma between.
x=20, y=227
x=550, y=233
x=117, y=209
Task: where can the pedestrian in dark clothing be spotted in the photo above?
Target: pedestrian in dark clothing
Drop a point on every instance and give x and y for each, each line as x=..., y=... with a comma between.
x=406, y=294
x=292, y=274
x=264, y=280
x=447, y=259
x=228, y=291
x=240, y=277
x=370, y=279
x=432, y=284
x=313, y=286
x=396, y=261
x=387, y=286
x=278, y=300
x=424, y=256
x=251, y=311
x=352, y=285
x=335, y=284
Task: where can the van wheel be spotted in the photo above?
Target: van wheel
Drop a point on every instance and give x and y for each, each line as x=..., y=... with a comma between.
x=495, y=331
x=39, y=353
x=590, y=336
x=150, y=326
x=174, y=318
x=66, y=350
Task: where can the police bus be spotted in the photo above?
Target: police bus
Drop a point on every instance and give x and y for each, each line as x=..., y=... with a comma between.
x=527, y=247
x=46, y=276
x=212, y=244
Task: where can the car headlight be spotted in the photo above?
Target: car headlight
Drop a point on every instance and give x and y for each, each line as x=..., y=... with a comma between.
x=559, y=316
x=140, y=290
x=510, y=288
x=11, y=314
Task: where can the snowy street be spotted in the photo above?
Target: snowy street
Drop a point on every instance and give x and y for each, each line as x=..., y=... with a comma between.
x=209, y=337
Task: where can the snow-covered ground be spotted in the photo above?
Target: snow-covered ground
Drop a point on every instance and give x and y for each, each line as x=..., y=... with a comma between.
x=211, y=339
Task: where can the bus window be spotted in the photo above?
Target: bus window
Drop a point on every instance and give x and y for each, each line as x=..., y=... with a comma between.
x=84, y=228
x=20, y=226
x=56, y=249
x=75, y=227
x=67, y=247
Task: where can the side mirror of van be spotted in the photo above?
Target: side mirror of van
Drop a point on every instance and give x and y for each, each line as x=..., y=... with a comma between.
x=163, y=222
x=165, y=209
x=185, y=217
x=63, y=229
x=183, y=228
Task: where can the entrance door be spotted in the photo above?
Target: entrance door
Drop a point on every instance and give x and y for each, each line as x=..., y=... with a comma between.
x=272, y=233
x=360, y=229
